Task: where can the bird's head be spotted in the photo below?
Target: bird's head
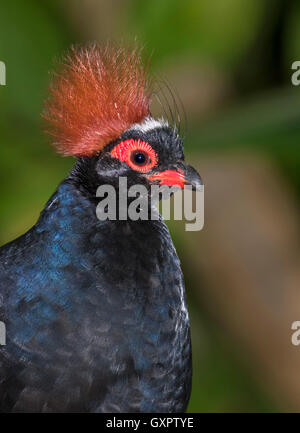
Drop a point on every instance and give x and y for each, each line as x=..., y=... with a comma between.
x=99, y=112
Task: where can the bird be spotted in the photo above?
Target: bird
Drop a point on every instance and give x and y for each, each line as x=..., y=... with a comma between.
x=95, y=310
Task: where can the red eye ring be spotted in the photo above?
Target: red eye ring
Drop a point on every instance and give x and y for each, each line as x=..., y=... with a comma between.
x=124, y=150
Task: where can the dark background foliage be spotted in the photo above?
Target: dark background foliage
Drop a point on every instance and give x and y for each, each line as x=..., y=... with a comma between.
x=230, y=63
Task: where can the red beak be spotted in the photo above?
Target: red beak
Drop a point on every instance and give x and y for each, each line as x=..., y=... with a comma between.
x=170, y=178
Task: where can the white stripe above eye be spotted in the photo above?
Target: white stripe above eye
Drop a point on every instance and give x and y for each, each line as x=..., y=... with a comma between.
x=149, y=123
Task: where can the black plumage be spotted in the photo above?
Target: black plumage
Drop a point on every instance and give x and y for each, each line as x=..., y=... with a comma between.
x=95, y=311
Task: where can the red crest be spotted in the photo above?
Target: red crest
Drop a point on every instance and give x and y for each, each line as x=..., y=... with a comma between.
x=97, y=95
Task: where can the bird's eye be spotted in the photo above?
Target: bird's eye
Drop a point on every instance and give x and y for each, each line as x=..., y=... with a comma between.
x=139, y=155
x=140, y=158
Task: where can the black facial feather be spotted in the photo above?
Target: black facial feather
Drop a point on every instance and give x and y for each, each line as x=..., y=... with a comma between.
x=89, y=173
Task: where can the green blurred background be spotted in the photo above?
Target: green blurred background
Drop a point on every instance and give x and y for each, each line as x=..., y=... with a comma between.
x=230, y=63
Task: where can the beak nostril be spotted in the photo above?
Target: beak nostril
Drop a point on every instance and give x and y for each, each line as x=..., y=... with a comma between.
x=169, y=177
x=181, y=176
